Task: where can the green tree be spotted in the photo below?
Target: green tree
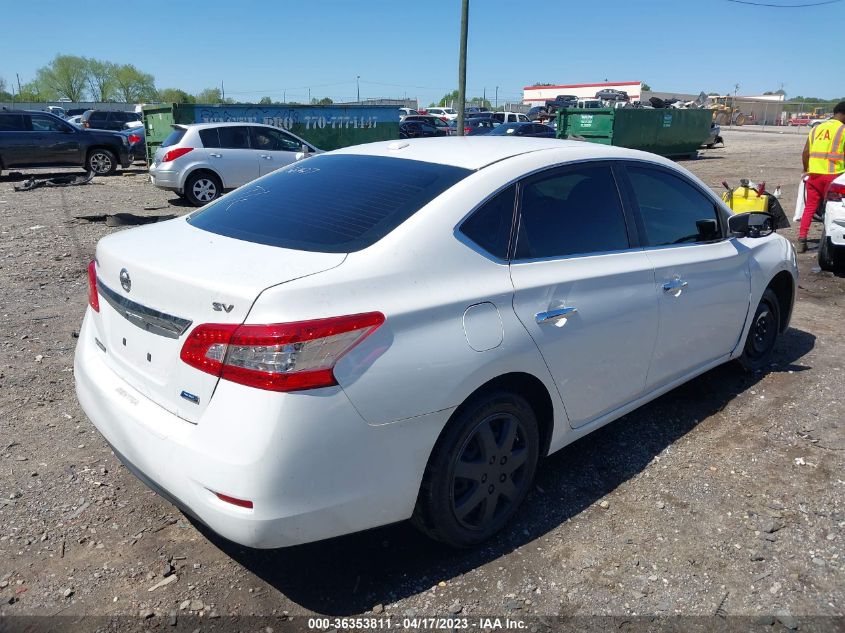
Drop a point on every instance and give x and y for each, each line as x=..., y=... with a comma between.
x=209, y=95
x=5, y=96
x=646, y=87
x=323, y=101
x=132, y=85
x=265, y=101
x=101, y=83
x=174, y=95
x=66, y=76
x=31, y=92
x=448, y=99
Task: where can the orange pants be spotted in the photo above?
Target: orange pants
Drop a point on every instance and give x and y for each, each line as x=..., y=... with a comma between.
x=816, y=188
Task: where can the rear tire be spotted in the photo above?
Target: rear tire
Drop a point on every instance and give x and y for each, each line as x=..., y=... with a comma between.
x=763, y=333
x=202, y=187
x=480, y=470
x=102, y=162
x=826, y=257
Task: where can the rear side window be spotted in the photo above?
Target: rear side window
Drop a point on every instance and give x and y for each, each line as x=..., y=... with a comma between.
x=209, y=137
x=99, y=117
x=490, y=225
x=234, y=137
x=12, y=123
x=174, y=137
x=573, y=212
x=331, y=204
x=672, y=210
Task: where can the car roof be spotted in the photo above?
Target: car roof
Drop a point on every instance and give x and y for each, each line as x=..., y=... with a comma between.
x=202, y=126
x=476, y=152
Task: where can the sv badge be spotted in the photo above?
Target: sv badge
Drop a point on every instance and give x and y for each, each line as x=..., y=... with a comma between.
x=222, y=307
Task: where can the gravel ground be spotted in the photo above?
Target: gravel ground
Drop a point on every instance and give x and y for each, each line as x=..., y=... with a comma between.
x=723, y=497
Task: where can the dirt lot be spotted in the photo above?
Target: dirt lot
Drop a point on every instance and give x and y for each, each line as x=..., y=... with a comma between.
x=724, y=497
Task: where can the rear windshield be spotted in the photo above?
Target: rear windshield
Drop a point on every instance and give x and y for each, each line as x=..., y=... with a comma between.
x=330, y=204
x=174, y=137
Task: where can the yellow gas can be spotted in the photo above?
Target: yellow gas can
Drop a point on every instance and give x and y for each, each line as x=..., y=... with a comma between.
x=745, y=200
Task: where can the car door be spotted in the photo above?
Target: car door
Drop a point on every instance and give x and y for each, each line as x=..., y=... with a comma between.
x=56, y=143
x=275, y=148
x=15, y=141
x=582, y=289
x=702, y=279
x=234, y=159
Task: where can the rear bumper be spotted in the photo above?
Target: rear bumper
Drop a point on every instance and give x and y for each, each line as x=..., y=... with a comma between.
x=310, y=464
x=165, y=179
x=834, y=223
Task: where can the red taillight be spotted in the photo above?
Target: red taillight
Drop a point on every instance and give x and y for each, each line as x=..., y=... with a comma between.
x=279, y=356
x=93, y=297
x=835, y=192
x=86, y=124
x=175, y=153
x=242, y=503
x=134, y=138
x=467, y=130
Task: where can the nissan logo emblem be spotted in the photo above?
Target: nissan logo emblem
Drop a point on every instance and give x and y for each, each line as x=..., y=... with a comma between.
x=125, y=281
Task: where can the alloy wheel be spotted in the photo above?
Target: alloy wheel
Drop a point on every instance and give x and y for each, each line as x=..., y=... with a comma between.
x=101, y=163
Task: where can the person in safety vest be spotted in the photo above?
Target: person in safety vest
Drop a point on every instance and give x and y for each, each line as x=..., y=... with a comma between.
x=824, y=160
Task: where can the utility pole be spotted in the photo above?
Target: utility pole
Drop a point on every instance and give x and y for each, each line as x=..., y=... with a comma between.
x=733, y=107
x=358, y=87
x=222, y=92
x=309, y=96
x=496, y=107
x=462, y=67
x=19, y=85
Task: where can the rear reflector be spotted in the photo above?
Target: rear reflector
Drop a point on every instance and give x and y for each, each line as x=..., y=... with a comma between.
x=93, y=297
x=241, y=503
x=175, y=153
x=280, y=356
x=836, y=192
x=134, y=138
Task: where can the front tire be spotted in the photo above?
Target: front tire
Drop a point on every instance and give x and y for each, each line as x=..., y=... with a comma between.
x=102, y=162
x=202, y=188
x=763, y=333
x=480, y=470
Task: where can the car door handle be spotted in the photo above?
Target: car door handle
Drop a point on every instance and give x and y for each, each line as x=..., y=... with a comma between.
x=554, y=315
x=267, y=156
x=216, y=155
x=676, y=285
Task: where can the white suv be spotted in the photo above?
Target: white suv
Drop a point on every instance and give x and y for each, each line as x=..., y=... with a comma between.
x=200, y=161
x=832, y=244
x=443, y=113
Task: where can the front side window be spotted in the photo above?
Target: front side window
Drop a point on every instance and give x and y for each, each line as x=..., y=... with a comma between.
x=673, y=211
x=45, y=124
x=490, y=225
x=575, y=211
x=328, y=203
x=234, y=137
x=270, y=140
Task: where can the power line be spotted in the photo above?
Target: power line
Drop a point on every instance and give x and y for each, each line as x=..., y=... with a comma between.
x=785, y=6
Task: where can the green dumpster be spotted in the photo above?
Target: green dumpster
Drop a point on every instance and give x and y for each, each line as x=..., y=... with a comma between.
x=327, y=127
x=668, y=132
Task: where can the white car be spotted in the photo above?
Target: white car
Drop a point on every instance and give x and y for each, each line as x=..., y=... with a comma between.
x=201, y=161
x=443, y=113
x=404, y=329
x=403, y=112
x=832, y=244
x=510, y=117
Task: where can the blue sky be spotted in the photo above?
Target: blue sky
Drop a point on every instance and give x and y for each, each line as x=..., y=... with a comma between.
x=403, y=48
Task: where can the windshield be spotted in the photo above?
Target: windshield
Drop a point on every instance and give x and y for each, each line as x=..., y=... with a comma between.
x=331, y=203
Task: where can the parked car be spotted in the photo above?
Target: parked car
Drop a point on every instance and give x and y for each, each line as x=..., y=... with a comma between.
x=107, y=119
x=611, y=94
x=436, y=121
x=57, y=110
x=832, y=244
x=40, y=139
x=75, y=120
x=406, y=112
x=510, y=117
x=418, y=129
x=474, y=126
x=715, y=136
x=561, y=101
x=589, y=103
x=72, y=112
x=537, y=112
x=375, y=334
x=137, y=143
x=444, y=113
x=524, y=129
x=201, y=161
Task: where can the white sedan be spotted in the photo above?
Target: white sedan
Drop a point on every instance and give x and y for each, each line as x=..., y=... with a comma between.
x=405, y=329
x=832, y=244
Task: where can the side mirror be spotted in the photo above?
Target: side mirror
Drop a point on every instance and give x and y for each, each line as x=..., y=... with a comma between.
x=305, y=150
x=754, y=224
x=708, y=230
